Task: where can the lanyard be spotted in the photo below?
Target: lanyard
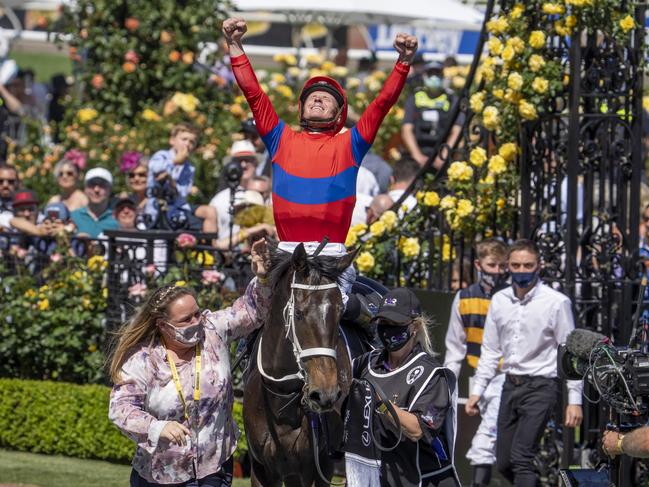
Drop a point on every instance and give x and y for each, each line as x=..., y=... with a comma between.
x=197, y=381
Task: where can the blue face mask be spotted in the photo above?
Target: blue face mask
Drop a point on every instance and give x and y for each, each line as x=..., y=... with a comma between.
x=524, y=279
x=433, y=83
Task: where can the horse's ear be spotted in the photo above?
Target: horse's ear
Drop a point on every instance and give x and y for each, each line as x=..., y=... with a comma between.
x=348, y=259
x=299, y=258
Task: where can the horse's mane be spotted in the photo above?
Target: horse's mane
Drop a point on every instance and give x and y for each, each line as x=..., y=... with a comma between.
x=318, y=267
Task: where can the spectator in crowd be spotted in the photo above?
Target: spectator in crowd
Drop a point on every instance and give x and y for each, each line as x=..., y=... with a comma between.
x=379, y=205
x=136, y=184
x=366, y=189
x=460, y=274
x=67, y=176
x=56, y=110
x=56, y=218
x=243, y=153
x=405, y=172
x=8, y=184
x=171, y=394
x=381, y=170
x=93, y=219
x=125, y=212
x=171, y=173
x=421, y=392
x=262, y=185
x=252, y=220
x=21, y=224
x=366, y=66
x=249, y=130
x=463, y=341
x=366, y=182
x=525, y=325
x=427, y=117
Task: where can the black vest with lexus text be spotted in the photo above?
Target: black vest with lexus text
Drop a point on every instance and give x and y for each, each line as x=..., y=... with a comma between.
x=411, y=387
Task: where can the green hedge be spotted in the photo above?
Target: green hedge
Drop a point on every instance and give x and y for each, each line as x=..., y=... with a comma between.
x=64, y=419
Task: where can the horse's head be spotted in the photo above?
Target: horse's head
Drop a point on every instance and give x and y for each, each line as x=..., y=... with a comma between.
x=311, y=313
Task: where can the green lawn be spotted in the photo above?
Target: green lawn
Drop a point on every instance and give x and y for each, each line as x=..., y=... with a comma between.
x=56, y=471
x=43, y=64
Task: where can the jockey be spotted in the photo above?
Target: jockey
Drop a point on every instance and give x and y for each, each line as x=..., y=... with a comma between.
x=315, y=169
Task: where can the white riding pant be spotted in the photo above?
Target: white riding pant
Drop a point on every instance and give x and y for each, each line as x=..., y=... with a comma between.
x=483, y=445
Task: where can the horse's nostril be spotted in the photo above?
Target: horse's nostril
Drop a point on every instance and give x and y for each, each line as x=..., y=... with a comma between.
x=315, y=396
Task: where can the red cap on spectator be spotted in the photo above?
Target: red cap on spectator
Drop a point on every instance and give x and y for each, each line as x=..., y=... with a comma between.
x=24, y=197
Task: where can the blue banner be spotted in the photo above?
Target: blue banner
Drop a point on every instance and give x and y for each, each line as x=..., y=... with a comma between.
x=431, y=40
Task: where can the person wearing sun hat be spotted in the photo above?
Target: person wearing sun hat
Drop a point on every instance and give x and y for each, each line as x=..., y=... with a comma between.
x=422, y=394
x=93, y=219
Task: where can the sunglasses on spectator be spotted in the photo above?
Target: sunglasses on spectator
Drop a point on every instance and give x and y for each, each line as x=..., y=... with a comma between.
x=67, y=173
x=97, y=182
x=25, y=209
x=8, y=181
x=133, y=175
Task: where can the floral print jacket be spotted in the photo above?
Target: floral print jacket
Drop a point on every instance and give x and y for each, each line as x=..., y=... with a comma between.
x=146, y=399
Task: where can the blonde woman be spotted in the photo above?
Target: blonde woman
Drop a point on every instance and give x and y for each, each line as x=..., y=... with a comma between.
x=67, y=176
x=419, y=450
x=172, y=390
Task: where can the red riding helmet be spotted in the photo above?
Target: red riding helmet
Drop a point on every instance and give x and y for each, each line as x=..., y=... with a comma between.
x=331, y=86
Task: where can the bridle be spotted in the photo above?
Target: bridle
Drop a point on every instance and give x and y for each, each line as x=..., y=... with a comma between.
x=299, y=353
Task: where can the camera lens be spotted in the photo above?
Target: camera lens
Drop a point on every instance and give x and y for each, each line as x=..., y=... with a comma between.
x=233, y=171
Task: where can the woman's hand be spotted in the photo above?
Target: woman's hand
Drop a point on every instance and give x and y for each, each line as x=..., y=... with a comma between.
x=175, y=432
x=260, y=258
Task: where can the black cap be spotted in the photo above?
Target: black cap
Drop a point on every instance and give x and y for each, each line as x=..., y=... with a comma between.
x=324, y=86
x=123, y=202
x=399, y=306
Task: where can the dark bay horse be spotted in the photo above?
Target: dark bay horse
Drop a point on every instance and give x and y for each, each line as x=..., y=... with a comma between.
x=301, y=371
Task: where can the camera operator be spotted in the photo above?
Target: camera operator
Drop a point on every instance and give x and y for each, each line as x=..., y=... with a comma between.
x=634, y=444
x=239, y=170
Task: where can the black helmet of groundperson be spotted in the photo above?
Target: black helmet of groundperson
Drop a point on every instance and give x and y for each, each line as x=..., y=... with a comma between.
x=331, y=86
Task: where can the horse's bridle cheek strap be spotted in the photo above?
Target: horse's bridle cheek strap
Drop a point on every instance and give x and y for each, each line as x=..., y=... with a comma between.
x=318, y=352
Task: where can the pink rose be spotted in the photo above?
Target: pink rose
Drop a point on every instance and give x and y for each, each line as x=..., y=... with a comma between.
x=150, y=270
x=55, y=258
x=212, y=277
x=19, y=252
x=137, y=290
x=131, y=57
x=76, y=157
x=129, y=161
x=186, y=240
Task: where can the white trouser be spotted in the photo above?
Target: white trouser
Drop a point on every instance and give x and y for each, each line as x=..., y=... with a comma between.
x=348, y=276
x=360, y=473
x=483, y=445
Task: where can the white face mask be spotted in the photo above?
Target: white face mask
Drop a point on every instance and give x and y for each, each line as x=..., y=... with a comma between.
x=188, y=335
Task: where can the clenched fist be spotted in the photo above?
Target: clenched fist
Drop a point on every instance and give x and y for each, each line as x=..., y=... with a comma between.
x=406, y=46
x=233, y=29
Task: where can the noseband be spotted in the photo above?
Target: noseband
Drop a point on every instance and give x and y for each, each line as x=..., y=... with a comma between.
x=289, y=325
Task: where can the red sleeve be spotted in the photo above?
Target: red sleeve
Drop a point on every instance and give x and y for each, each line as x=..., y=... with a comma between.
x=262, y=109
x=369, y=123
